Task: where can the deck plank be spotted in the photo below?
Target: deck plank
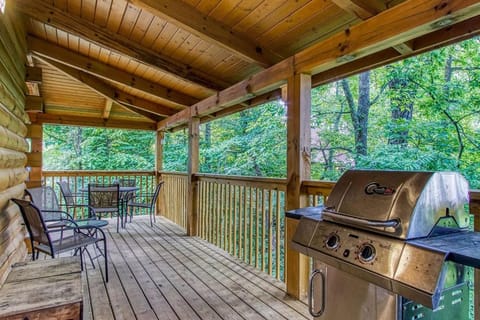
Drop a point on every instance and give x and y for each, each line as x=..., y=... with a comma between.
x=160, y=273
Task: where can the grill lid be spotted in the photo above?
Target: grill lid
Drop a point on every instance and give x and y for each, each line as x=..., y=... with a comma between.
x=403, y=204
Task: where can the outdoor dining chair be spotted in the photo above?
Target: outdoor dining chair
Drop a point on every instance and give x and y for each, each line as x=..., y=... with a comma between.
x=72, y=200
x=104, y=199
x=73, y=239
x=146, y=201
x=46, y=200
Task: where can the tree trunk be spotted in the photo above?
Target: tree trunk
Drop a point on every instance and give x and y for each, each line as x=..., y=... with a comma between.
x=401, y=110
x=359, y=112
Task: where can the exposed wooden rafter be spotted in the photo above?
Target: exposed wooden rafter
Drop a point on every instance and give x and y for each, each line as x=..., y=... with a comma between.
x=91, y=122
x=107, y=108
x=83, y=63
x=365, y=10
x=180, y=13
x=44, y=12
x=109, y=92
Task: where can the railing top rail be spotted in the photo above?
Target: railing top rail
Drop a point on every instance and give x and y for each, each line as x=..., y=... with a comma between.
x=73, y=173
x=261, y=182
x=173, y=173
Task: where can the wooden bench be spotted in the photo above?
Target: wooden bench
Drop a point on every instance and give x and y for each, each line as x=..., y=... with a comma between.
x=43, y=289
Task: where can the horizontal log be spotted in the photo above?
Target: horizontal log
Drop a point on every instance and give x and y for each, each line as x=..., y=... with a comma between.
x=34, y=104
x=11, y=158
x=13, y=192
x=16, y=106
x=34, y=159
x=35, y=131
x=12, y=177
x=10, y=140
x=12, y=122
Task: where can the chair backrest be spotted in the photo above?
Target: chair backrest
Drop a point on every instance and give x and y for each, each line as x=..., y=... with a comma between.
x=34, y=221
x=66, y=192
x=127, y=182
x=156, y=193
x=44, y=198
x=103, y=196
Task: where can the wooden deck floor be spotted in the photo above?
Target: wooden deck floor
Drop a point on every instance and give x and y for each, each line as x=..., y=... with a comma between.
x=159, y=273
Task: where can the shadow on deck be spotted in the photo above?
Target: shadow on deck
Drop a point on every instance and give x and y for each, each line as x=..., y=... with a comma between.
x=160, y=273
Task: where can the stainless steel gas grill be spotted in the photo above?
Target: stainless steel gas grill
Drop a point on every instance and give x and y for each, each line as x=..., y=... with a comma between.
x=390, y=245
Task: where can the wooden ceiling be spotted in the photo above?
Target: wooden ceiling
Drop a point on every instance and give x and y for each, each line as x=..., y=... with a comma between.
x=137, y=63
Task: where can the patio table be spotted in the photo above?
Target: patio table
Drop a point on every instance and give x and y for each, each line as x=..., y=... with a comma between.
x=123, y=193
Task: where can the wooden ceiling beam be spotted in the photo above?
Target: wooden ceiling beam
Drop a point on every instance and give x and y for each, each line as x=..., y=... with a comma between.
x=83, y=63
x=452, y=34
x=402, y=23
x=207, y=29
x=91, y=122
x=45, y=12
x=258, y=84
x=107, y=108
x=365, y=10
x=109, y=92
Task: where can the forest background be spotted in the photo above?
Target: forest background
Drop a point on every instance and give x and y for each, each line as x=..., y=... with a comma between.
x=422, y=113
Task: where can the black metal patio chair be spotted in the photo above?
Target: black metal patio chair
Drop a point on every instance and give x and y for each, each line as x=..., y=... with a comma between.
x=46, y=200
x=147, y=201
x=71, y=239
x=104, y=199
x=72, y=200
x=125, y=197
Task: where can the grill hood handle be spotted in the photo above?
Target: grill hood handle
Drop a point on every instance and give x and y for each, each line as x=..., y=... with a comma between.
x=333, y=216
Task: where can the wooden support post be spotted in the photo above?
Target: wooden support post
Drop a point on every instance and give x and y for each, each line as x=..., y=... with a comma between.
x=298, y=169
x=475, y=210
x=159, y=167
x=193, y=164
x=34, y=157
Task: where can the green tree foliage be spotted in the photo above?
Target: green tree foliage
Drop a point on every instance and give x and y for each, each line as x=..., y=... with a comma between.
x=423, y=114
x=175, y=151
x=249, y=143
x=79, y=148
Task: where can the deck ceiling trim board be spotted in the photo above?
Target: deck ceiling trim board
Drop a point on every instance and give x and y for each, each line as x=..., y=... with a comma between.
x=92, y=122
x=397, y=25
x=204, y=27
x=109, y=92
x=44, y=12
x=99, y=69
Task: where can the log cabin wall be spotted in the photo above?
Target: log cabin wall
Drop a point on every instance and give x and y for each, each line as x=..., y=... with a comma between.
x=13, y=145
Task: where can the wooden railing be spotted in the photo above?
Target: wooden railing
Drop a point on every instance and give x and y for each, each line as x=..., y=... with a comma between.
x=145, y=180
x=173, y=198
x=242, y=215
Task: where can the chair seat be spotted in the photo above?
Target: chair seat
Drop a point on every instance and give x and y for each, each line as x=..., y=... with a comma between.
x=68, y=243
x=139, y=204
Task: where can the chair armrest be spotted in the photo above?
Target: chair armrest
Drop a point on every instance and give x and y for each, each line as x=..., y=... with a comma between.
x=55, y=215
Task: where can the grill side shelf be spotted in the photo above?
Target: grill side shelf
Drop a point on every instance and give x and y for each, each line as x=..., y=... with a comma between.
x=460, y=247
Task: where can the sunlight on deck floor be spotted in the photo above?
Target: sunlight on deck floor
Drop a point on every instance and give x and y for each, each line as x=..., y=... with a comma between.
x=159, y=273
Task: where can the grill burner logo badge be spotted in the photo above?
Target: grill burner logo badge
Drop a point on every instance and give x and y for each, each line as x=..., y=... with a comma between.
x=376, y=188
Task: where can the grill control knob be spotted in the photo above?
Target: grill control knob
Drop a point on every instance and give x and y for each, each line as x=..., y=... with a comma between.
x=332, y=242
x=367, y=253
